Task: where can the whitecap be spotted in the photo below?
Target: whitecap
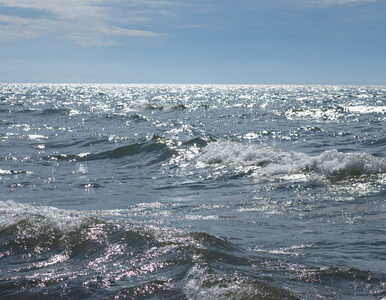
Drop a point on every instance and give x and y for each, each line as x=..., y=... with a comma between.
x=366, y=109
x=269, y=161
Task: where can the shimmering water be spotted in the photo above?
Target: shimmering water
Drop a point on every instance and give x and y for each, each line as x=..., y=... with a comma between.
x=198, y=192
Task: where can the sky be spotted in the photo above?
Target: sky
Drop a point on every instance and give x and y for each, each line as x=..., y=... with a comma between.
x=178, y=41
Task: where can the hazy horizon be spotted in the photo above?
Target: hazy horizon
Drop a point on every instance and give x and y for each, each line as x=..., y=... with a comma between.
x=196, y=84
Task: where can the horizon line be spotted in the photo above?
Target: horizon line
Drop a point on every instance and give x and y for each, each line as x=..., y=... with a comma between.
x=192, y=84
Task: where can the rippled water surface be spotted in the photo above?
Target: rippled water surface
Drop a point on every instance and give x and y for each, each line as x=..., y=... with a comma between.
x=198, y=192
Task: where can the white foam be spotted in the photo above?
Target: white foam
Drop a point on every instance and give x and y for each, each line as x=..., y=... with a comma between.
x=36, y=137
x=334, y=163
x=65, y=220
x=366, y=109
x=268, y=161
x=315, y=114
x=39, y=218
x=5, y=172
x=202, y=283
x=142, y=105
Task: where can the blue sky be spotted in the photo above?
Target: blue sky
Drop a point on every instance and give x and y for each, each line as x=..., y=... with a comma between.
x=197, y=41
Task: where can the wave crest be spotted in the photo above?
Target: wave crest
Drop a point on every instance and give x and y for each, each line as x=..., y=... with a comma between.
x=268, y=161
x=157, y=149
x=89, y=253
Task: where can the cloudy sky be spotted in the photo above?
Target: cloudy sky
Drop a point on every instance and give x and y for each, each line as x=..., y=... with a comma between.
x=196, y=41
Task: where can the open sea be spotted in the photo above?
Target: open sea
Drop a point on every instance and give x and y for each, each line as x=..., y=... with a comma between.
x=192, y=192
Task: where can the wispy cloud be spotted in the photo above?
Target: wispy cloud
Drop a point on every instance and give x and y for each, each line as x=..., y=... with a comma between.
x=87, y=22
x=328, y=3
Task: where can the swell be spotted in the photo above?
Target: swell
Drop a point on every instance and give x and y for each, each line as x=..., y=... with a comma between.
x=54, y=111
x=81, y=142
x=158, y=148
x=155, y=149
x=200, y=141
x=123, y=116
x=378, y=142
x=147, y=105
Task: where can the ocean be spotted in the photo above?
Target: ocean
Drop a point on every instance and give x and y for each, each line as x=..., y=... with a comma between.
x=192, y=192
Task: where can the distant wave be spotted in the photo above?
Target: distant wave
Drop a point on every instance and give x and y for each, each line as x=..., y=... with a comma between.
x=133, y=117
x=151, y=105
x=145, y=105
x=55, y=110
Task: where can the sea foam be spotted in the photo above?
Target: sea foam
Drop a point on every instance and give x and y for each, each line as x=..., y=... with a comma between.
x=269, y=161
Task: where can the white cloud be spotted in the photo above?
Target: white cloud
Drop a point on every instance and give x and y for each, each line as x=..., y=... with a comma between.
x=12, y=27
x=87, y=22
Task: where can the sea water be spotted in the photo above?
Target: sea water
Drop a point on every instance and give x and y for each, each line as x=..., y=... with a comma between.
x=192, y=191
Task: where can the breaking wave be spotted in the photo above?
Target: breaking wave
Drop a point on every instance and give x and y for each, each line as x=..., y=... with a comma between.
x=268, y=161
x=86, y=254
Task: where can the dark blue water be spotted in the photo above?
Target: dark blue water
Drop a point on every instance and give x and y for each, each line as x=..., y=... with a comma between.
x=198, y=192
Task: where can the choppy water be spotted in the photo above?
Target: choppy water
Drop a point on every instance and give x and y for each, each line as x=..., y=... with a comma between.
x=199, y=192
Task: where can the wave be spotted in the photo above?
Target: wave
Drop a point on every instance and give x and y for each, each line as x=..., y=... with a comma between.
x=180, y=107
x=54, y=111
x=89, y=254
x=12, y=172
x=78, y=141
x=200, y=141
x=203, y=283
x=376, y=142
x=157, y=145
x=123, y=116
x=101, y=254
x=25, y=111
x=366, y=109
x=268, y=161
x=149, y=105
x=328, y=113
x=145, y=105
x=157, y=149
